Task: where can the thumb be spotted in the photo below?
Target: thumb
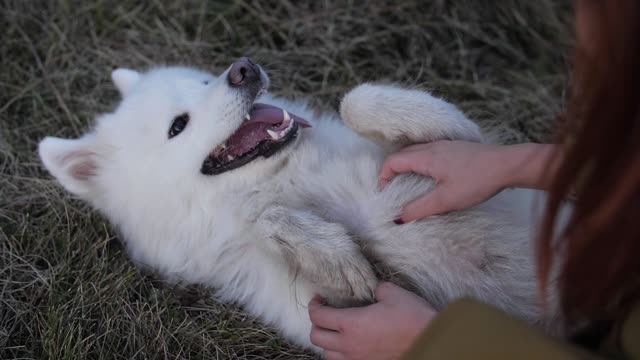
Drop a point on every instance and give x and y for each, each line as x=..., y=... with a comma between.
x=433, y=203
x=386, y=291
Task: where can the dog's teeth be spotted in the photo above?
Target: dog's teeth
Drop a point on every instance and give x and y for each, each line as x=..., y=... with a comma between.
x=285, y=114
x=282, y=133
x=248, y=117
x=230, y=158
x=223, y=146
x=273, y=134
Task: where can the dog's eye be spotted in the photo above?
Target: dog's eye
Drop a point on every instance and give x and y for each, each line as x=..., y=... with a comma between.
x=206, y=82
x=178, y=124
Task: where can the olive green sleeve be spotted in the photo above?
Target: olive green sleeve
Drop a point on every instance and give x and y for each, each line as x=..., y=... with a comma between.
x=470, y=330
x=630, y=337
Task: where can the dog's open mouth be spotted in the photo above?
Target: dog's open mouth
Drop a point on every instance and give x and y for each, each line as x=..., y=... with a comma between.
x=266, y=130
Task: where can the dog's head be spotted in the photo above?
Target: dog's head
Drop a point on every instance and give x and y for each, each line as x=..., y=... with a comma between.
x=177, y=130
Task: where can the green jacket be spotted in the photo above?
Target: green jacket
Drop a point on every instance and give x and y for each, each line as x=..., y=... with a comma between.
x=469, y=330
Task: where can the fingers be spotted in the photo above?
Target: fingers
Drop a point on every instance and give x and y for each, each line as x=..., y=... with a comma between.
x=326, y=339
x=399, y=163
x=324, y=332
x=416, y=147
x=384, y=290
x=333, y=355
x=324, y=316
x=433, y=203
x=388, y=172
x=412, y=158
x=316, y=300
x=388, y=292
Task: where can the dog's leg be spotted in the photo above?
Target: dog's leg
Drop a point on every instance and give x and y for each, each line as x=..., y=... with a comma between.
x=395, y=117
x=321, y=251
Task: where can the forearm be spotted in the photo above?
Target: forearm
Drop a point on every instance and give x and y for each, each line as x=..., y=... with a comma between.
x=526, y=165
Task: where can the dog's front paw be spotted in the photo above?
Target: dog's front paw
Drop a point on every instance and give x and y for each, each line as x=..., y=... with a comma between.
x=322, y=251
x=355, y=285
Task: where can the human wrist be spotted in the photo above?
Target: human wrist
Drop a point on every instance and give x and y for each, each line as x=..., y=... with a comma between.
x=523, y=165
x=500, y=161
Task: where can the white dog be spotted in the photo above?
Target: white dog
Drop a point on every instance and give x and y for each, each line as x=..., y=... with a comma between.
x=271, y=206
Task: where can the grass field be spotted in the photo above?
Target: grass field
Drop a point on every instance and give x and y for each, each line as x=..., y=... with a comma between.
x=67, y=289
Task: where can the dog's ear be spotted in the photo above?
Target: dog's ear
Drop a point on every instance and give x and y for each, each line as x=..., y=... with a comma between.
x=72, y=162
x=125, y=79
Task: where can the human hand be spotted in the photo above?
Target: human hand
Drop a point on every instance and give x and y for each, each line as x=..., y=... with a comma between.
x=466, y=174
x=383, y=330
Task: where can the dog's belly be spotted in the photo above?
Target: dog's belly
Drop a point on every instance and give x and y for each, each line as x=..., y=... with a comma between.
x=485, y=252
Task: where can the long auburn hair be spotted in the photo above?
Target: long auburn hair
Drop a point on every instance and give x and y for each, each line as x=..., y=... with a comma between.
x=598, y=252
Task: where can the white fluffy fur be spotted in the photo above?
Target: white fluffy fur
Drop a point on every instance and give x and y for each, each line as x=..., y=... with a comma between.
x=317, y=197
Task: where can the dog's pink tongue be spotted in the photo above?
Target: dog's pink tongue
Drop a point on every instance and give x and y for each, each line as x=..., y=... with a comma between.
x=273, y=115
x=262, y=118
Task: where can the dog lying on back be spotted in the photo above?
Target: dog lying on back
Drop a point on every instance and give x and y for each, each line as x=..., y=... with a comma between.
x=211, y=181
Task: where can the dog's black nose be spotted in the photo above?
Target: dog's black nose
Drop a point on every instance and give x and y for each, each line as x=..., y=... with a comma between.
x=243, y=72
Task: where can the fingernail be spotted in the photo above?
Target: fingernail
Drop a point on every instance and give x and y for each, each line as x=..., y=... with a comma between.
x=319, y=299
x=398, y=221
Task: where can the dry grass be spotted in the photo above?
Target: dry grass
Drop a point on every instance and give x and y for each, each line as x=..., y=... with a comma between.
x=67, y=290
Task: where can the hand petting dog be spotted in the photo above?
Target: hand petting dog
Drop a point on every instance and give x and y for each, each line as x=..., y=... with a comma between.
x=383, y=330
